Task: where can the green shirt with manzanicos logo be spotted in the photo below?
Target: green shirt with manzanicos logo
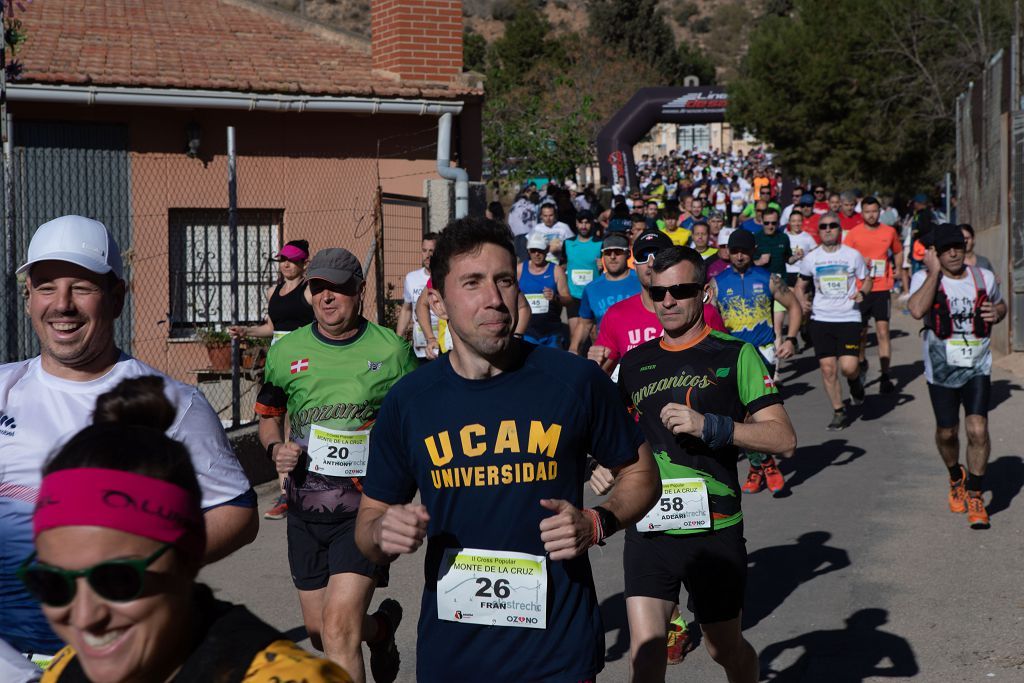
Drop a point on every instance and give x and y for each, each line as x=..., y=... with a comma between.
x=717, y=374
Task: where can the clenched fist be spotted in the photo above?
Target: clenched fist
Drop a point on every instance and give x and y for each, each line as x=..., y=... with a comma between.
x=680, y=419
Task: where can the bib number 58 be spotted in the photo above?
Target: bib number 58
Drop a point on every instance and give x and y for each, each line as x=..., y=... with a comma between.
x=671, y=504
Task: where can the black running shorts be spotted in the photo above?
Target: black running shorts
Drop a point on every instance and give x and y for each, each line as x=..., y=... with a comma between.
x=712, y=567
x=946, y=402
x=572, y=309
x=318, y=550
x=835, y=339
x=877, y=305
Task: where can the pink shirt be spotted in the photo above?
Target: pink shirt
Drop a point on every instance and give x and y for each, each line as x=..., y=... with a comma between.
x=629, y=324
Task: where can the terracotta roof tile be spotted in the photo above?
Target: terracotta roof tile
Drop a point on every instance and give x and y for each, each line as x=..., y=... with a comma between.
x=203, y=45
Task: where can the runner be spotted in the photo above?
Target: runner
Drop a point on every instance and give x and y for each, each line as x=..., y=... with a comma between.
x=678, y=235
x=834, y=270
x=958, y=305
x=140, y=615
x=330, y=379
x=545, y=288
x=617, y=283
x=289, y=307
x=745, y=295
x=583, y=257
x=494, y=437
x=415, y=283
x=701, y=238
x=879, y=245
x=696, y=426
x=555, y=232
x=76, y=291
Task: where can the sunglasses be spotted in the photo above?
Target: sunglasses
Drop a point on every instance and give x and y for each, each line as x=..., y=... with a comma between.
x=113, y=580
x=770, y=223
x=537, y=251
x=686, y=290
x=317, y=285
x=613, y=252
x=819, y=192
x=828, y=226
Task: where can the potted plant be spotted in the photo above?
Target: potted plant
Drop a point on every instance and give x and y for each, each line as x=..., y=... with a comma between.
x=218, y=347
x=254, y=352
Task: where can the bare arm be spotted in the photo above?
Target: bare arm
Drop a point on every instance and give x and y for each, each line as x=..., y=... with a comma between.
x=423, y=318
x=583, y=329
x=228, y=528
x=404, y=320
x=562, y=283
x=785, y=296
x=923, y=298
x=769, y=429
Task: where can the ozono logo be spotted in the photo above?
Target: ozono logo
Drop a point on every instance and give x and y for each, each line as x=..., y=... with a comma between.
x=520, y=620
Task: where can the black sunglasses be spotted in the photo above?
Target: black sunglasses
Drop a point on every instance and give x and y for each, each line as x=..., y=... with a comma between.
x=685, y=290
x=318, y=285
x=114, y=580
x=828, y=226
x=771, y=223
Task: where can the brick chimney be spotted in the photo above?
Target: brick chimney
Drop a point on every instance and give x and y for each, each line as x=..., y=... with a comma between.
x=419, y=40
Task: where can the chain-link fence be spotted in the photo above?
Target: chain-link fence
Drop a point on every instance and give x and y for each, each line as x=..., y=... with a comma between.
x=170, y=214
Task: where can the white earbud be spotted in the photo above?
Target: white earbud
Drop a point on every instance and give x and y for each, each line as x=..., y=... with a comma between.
x=706, y=297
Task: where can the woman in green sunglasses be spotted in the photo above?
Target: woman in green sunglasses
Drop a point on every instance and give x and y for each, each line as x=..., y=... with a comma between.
x=119, y=541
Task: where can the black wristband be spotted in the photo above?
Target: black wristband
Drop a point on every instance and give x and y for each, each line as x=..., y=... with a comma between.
x=270, y=448
x=791, y=340
x=609, y=522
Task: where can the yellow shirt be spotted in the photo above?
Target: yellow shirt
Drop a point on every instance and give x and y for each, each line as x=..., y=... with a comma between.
x=282, y=660
x=680, y=236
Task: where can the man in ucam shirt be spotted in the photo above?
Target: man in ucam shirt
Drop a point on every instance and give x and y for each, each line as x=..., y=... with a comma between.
x=632, y=321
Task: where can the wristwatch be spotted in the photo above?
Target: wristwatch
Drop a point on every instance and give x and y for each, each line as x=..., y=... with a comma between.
x=791, y=339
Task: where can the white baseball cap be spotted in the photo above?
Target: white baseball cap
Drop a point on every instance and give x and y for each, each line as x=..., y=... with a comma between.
x=536, y=240
x=77, y=240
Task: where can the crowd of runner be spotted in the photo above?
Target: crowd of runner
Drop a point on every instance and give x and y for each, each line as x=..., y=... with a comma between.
x=635, y=346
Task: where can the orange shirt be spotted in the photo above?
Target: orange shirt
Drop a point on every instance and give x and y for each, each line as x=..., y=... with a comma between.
x=874, y=244
x=758, y=184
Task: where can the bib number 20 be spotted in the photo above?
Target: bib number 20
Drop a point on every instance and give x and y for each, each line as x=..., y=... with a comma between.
x=338, y=453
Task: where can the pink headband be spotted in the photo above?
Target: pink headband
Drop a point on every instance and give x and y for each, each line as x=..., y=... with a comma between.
x=292, y=253
x=129, y=502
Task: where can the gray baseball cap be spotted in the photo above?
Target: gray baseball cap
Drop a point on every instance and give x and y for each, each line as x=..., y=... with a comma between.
x=336, y=265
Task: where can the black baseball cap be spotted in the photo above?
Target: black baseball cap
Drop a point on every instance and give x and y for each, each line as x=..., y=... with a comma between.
x=943, y=236
x=742, y=240
x=649, y=242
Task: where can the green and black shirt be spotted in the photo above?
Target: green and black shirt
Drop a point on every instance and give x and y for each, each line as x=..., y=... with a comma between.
x=717, y=374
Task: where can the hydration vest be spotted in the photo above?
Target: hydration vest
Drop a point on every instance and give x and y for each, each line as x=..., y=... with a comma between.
x=939, y=320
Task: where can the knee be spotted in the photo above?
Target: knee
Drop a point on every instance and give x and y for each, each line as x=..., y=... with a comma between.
x=947, y=434
x=341, y=632
x=828, y=372
x=723, y=650
x=977, y=432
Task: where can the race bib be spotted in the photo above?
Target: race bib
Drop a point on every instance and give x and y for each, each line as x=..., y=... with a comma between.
x=834, y=285
x=683, y=504
x=539, y=305
x=878, y=267
x=963, y=353
x=767, y=352
x=277, y=336
x=338, y=453
x=493, y=588
x=582, y=278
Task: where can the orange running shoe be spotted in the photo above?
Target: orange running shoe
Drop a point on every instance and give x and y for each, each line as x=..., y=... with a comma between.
x=773, y=478
x=958, y=492
x=977, y=517
x=755, y=480
x=680, y=642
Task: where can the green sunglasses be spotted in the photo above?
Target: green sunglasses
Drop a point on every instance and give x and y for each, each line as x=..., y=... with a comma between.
x=114, y=580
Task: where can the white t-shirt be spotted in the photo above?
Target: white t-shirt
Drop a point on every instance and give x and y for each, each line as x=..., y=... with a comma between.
x=415, y=283
x=805, y=242
x=835, y=283
x=557, y=231
x=970, y=355
x=521, y=217
x=44, y=411
x=738, y=198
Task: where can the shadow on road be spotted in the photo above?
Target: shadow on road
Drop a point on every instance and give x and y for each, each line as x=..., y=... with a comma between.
x=902, y=375
x=810, y=460
x=848, y=655
x=613, y=614
x=1004, y=478
x=776, y=571
x=1002, y=389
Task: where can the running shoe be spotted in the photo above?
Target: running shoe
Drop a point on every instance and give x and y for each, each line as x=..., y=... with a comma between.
x=856, y=391
x=885, y=385
x=977, y=517
x=755, y=480
x=773, y=478
x=958, y=492
x=384, y=659
x=680, y=641
x=838, y=421
x=279, y=510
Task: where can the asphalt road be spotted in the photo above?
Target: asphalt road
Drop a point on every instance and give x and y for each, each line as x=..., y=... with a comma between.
x=858, y=571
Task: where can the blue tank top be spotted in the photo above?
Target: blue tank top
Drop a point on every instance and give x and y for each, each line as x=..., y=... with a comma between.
x=545, y=316
x=746, y=304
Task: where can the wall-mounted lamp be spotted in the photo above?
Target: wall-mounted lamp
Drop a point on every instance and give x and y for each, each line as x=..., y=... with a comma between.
x=193, y=136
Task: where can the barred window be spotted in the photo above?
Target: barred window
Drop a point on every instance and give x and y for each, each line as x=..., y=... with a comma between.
x=200, y=266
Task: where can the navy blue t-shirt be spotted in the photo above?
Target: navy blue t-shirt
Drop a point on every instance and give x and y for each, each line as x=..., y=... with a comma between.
x=482, y=454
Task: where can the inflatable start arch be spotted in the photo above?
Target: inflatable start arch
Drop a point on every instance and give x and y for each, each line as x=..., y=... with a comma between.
x=646, y=108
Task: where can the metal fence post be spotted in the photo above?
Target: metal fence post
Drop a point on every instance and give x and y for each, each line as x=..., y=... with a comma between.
x=233, y=231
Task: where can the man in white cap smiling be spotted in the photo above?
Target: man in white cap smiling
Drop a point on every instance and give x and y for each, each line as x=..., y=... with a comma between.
x=75, y=291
